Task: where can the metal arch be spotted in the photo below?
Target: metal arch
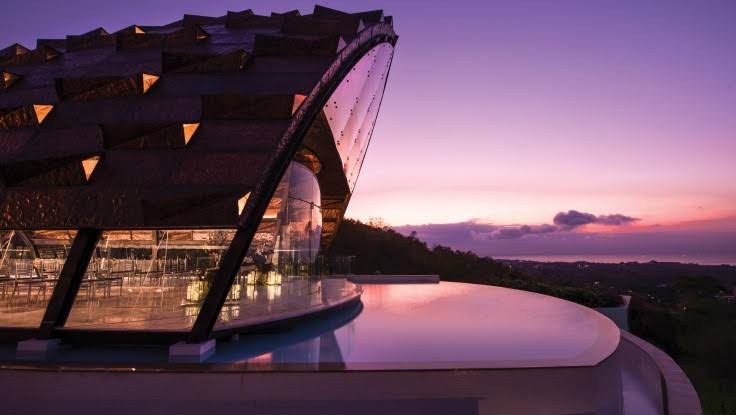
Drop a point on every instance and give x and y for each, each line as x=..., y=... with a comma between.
x=286, y=149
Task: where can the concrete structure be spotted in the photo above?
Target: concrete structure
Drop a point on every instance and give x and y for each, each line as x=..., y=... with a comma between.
x=394, y=279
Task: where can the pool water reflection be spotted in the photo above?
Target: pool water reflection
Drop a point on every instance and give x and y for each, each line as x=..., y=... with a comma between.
x=445, y=325
x=411, y=326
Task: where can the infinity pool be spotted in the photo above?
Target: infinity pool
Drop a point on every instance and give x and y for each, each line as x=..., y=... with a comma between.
x=404, y=326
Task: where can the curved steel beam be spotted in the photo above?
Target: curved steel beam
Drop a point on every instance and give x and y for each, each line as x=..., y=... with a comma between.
x=286, y=148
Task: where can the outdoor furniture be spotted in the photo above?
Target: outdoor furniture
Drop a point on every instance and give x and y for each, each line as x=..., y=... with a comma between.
x=29, y=284
x=106, y=281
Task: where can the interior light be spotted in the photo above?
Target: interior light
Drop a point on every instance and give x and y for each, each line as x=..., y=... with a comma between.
x=42, y=111
x=241, y=203
x=89, y=165
x=9, y=78
x=148, y=81
x=189, y=130
x=298, y=99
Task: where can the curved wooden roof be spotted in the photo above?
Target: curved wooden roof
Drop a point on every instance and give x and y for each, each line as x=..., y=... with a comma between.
x=169, y=126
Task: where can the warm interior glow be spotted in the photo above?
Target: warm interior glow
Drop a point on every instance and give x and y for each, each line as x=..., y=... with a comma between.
x=89, y=165
x=201, y=34
x=42, y=111
x=241, y=203
x=148, y=81
x=189, y=130
x=298, y=99
x=9, y=78
x=51, y=53
x=20, y=49
x=138, y=30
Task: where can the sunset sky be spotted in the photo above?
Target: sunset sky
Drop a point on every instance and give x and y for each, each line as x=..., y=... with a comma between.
x=507, y=113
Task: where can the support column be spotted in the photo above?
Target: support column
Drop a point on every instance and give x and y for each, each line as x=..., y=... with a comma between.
x=226, y=273
x=70, y=279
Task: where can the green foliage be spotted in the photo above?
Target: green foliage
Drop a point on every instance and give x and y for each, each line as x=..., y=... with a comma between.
x=384, y=251
x=588, y=297
x=699, y=331
x=718, y=396
x=690, y=289
x=657, y=324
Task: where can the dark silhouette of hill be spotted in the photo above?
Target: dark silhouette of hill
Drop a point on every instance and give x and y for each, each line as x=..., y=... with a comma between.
x=384, y=251
x=655, y=280
x=380, y=250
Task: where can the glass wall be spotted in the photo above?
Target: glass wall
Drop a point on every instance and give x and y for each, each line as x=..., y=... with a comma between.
x=352, y=109
x=146, y=279
x=158, y=280
x=287, y=240
x=276, y=271
x=30, y=264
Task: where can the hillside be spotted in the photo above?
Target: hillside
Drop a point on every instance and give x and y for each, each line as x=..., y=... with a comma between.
x=384, y=251
x=655, y=280
x=380, y=250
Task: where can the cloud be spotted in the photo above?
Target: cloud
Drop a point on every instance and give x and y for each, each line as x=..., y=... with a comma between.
x=573, y=218
x=513, y=232
x=473, y=230
x=616, y=220
x=563, y=221
x=717, y=238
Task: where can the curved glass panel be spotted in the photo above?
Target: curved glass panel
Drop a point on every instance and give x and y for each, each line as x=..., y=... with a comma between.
x=274, y=274
x=352, y=109
x=285, y=247
x=158, y=279
x=30, y=264
x=287, y=240
x=148, y=280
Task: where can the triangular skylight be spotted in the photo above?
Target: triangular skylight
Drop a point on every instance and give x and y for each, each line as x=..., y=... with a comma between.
x=189, y=130
x=89, y=166
x=148, y=81
x=42, y=111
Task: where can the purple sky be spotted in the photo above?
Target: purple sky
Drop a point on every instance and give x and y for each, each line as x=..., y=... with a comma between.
x=508, y=113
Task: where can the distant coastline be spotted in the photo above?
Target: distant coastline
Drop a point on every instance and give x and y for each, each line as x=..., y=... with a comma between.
x=618, y=258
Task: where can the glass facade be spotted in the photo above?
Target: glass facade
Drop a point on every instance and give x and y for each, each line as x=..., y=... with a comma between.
x=352, y=109
x=148, y=280
x=274, y=275
x=158, y=279
x=30, y=264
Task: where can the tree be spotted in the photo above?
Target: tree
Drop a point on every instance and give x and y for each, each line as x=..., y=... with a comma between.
x=377, y=222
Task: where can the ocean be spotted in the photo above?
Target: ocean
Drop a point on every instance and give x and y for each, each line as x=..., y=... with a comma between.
x=707, y=259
